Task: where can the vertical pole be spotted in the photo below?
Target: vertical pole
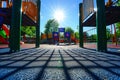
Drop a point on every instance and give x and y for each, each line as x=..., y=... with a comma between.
x=101, y=26
x=80, y=26
x=38, y=25
x=15, y=26
x=115, y=35
x=111, y=34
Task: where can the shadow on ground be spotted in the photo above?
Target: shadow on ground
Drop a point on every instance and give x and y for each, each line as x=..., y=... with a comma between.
x=59, y=64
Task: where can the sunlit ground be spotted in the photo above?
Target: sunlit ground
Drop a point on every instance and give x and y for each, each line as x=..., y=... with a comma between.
x=111, y=47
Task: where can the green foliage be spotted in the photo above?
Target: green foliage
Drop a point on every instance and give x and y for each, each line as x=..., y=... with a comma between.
x=108, y=33
x=118, y=24
x=77, y=35
x=93, y=37
x=28, y=30
x=118, y=3
x=61, y=35
x=118, y=29
x=69, y=29
x=51, y=26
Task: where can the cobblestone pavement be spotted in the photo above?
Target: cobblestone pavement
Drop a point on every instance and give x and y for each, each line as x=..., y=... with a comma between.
x=59, y=63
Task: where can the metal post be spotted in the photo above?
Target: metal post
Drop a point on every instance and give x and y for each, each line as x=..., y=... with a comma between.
x=115, y=35
x=101, y=26
x=80, y=26
x=15, y=26
x=38, y=25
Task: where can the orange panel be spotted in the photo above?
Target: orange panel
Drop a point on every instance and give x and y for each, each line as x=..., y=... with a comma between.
x=44, y=36
x=30, y=9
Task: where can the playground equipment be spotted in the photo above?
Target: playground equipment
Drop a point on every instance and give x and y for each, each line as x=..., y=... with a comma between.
x=111, y=12
x=60, y=37
x=105, y=15
x=4, y=34
x=10, y=13
x=29, y=12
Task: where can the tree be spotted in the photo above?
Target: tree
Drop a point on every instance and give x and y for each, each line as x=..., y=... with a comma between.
x=118, y=3
x=69, y=29
x=108, y=33
x=118, y=24
x=118, y=29
x=77, y=35
x=51, y=26
x=93, y=37
x=28, y=30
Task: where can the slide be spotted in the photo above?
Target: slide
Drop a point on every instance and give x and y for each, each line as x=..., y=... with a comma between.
x=6, y=29
x=3, y=40
x=4, y=34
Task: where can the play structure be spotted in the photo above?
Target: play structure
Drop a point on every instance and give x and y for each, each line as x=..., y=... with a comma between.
x=11, y=10
x=17, y=13
x=29, y=12
x=106, y=14
x=60, y=37
x=4, y=34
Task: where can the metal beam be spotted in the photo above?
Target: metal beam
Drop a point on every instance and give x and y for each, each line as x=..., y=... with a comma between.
x=101, y=26
x=80, y=26
x=38, y=25
x=15, y=26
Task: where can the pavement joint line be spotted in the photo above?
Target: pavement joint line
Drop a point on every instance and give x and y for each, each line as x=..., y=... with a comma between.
x=16, y=55
x=40, y=75
x=104, y=60
x=68, y=77
x=105, y=68
x=85, y=68
x=19, y=59
x=21, y=67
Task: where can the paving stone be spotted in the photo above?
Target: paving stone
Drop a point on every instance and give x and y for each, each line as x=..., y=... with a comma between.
x=79, y=74
x=18, y=64
x=53, y=74
x=25, y=74
x=55, y=64
x=59, y=63
x=72, y=64
x=105, y=74
x=36, y=64
x=2, y=63
x=5, y=71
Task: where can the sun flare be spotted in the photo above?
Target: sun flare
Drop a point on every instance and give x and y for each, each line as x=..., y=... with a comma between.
x=59, y=15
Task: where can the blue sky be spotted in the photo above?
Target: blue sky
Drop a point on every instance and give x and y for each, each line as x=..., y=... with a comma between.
x=69, y=7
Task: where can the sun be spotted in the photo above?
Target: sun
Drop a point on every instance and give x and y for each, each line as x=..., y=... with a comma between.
x=59, y=15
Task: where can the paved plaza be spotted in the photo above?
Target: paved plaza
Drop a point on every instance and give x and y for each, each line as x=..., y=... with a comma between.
x=59, y=63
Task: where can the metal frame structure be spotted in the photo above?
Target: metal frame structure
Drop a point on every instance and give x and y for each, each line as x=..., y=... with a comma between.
x=17, y=17
x=16, y=24
x=100, y=24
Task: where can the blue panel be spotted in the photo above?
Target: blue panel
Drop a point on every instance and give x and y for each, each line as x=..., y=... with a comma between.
x=67, y=34
x=61, y=29
x=55, y=35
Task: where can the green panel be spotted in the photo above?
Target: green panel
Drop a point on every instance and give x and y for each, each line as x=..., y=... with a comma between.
x=15, y=26
x=38, y=25
x=101, y=26
x=80, y=26
x=3, y=34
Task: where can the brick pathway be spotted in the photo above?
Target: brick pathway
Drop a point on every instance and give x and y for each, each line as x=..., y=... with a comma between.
x=59, y=63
